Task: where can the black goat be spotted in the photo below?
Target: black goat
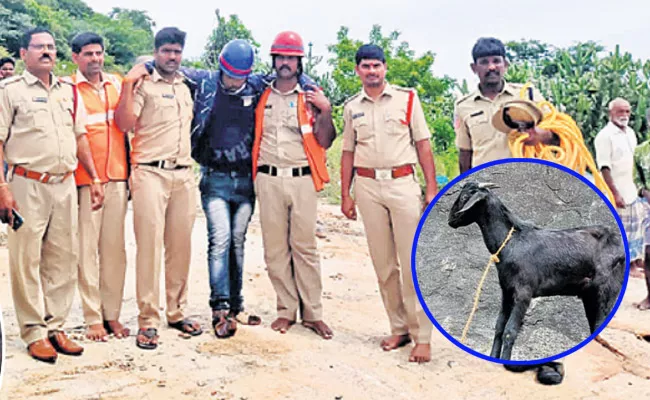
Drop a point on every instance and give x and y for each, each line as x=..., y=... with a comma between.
x=588, y=262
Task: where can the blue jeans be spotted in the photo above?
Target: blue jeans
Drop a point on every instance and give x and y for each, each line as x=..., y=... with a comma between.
x=228, y=201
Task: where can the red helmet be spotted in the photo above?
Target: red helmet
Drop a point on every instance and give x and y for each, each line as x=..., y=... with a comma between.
x=288, y=44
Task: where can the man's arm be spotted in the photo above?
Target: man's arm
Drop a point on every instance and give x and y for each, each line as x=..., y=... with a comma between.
x=348, y=206
x=463, y=142
x=603, y=148
x=125, y=113
x=421, y=135
x=425, y=157
x=464, y=160
x=347, y=166
x=618, y=199
x=7, y=201
x=324, y=130
x=85, y=157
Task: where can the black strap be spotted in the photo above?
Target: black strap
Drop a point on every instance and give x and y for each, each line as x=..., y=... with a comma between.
x=273, y=171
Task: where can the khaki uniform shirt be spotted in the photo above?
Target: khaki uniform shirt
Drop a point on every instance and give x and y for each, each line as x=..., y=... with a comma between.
x=377, y=131
x=37, y=124
x=282, y=143
x=164, y=111
x=473, y=124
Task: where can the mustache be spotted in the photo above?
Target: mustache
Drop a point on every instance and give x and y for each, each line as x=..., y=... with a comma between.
x=44, y=56
x=285, y=67
x=492, y=73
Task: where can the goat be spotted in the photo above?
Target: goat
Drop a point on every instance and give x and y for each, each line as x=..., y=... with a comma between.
x=587, y=262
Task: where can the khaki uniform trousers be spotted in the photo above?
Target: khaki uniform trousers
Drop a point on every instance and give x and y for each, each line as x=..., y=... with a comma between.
x=102, y=253
x=391, y=211
x=43, y=255
x=164, y=209
x=288, y=220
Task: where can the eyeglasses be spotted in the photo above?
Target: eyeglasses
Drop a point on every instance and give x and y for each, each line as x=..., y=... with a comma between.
x=41, y=47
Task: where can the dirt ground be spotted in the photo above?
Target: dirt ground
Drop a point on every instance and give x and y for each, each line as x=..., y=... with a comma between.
x=261, y=364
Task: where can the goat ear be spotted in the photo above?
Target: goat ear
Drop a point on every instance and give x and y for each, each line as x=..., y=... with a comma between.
x=487, y=185
x=478, y=196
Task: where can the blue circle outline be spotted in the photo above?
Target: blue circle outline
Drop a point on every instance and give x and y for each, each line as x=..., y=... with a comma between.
x=462, y=176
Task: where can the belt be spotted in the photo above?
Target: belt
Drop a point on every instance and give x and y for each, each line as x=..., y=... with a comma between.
x=165, y=164
x=384, y=174
x=43, y=177
x=284, y=172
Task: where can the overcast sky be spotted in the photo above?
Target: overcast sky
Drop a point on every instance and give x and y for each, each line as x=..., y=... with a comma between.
x=448, y=28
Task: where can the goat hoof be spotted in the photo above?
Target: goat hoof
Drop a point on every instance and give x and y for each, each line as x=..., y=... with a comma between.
x=551, y=373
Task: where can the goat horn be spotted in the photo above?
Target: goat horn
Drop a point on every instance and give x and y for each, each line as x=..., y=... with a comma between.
x=487, y=185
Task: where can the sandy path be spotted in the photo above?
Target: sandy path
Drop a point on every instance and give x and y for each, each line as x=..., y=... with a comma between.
x=261, y=364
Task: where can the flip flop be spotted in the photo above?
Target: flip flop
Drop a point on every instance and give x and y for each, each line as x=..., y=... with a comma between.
x=149, y=333
x=245, y=318
x=186, y=326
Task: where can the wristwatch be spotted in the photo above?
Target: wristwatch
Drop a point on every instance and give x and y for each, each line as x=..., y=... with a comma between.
x=97, y=181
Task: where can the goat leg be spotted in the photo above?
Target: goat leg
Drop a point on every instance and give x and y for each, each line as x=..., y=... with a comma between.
x=504, y=315
x=514, y=325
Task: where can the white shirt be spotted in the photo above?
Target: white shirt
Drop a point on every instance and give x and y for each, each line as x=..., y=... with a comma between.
x=615, y=150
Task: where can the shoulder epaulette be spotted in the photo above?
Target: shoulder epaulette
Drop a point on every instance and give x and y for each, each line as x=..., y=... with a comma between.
x=9, y=81
x=351, y=98
x=463, y=98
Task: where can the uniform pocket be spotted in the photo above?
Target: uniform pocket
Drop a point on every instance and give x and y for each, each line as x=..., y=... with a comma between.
x=480, y=129
x=67, y=110
x=166, y=109
x=362, y=129
x=33, y=114
x=396, y=124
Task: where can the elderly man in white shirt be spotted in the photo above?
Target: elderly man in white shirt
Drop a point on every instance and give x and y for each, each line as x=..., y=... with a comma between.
x=615, y=145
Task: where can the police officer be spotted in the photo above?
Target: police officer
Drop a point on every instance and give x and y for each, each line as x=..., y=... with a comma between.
x=102, y=252
x=162, y=184
x=43, y=136
x=477, y=139
x=7, y=66
x=288, y=171
x=385, y=134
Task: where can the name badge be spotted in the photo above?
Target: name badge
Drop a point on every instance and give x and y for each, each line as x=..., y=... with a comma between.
x=168, y=96
x=358, y=115
x=39, y=99
x=248, y=100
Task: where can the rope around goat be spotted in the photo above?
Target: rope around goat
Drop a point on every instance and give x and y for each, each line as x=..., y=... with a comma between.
x=494, y=258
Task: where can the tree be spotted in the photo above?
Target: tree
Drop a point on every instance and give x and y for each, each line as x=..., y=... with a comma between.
x=139, y=19
x=225, y=31
x=14, y=21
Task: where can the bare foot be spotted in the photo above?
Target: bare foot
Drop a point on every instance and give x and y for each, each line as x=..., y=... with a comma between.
x=421, y=353
x=320, y=328
x=116, y=328
x=636, y=272
x=97, y=333
x=282, y=325
x=395, y=341
x=643, y=305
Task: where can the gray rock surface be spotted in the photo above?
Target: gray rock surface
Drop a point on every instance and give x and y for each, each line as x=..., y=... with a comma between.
x=450, y=262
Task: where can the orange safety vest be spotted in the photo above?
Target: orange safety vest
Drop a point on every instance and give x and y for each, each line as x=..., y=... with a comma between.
x=107, y=142
x=316, y=156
